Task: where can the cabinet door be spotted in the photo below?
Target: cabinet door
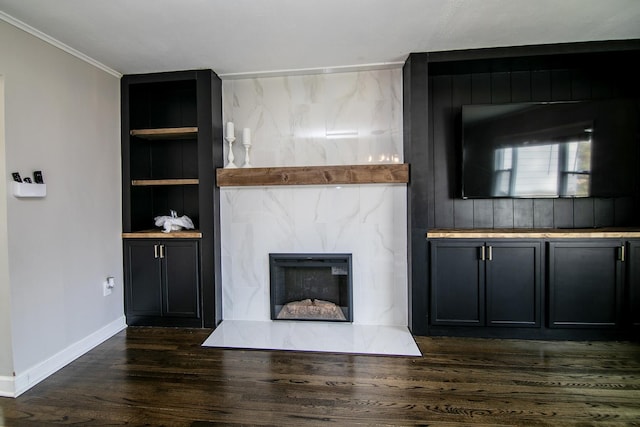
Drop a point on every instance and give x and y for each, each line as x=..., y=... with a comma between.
x=457, y=283
x=633, y=264
x=513, y=274
x=143, y=280
x=181, y=274
x=585, y=284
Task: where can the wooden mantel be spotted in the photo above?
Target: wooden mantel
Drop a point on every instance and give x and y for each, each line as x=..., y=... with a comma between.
x=397, y=173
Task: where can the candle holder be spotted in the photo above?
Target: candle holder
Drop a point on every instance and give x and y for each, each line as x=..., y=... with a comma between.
x=247, y=146
x=230, y=157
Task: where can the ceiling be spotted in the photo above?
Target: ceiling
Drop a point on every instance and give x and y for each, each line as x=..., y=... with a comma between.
x=253, y=37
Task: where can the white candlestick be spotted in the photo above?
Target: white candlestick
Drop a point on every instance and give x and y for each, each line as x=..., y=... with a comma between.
x=246, y=141
x=230, y=156
x=230, y=130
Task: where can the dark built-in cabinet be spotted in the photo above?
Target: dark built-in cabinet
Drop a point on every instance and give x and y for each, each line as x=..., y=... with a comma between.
x=633, y=278
x=171, y=146
x=586, y=284
x=436, y=86
x=485, y=283
x=164, y=282
x=536, y=287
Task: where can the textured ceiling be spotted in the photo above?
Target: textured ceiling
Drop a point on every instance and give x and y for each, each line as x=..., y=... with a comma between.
x=256, y=36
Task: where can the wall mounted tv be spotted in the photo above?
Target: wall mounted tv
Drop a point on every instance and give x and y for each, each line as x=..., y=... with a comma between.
x=551, y=149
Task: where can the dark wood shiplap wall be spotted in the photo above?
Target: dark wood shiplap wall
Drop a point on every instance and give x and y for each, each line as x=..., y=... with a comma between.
x=567, y=77
x=437, y=84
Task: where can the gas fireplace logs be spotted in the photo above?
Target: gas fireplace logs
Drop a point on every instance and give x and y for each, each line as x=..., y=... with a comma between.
x=311, y=309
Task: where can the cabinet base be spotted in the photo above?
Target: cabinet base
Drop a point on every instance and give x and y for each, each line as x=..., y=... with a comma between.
x=164, y=321
x=536, y=333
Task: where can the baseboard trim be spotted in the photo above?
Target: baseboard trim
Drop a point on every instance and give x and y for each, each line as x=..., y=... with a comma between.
x=6, y=386
x=15, y=386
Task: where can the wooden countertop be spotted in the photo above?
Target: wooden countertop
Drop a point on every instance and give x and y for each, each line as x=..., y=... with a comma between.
x=523, y=233
x=158, y=234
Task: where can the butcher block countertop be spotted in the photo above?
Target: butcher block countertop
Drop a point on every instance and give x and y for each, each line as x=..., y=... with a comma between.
x=158, y=234
x=523, y=233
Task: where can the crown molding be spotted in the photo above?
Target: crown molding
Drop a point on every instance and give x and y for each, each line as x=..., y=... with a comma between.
x=57, y=43
x=310, y=71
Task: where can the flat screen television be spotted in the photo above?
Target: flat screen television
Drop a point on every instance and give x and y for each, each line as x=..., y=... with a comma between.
x=551, y=149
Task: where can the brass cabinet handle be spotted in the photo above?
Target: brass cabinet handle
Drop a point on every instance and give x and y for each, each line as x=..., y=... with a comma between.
x=622, y=252
x=155, y=251
x=482, y=256
x=161, y=251
x=490, y=253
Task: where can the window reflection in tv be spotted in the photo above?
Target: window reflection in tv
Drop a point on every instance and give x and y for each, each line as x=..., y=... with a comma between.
x=537, y=150
x=551, y=169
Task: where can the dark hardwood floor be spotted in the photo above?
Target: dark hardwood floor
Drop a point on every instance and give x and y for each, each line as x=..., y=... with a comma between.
x=162, y=376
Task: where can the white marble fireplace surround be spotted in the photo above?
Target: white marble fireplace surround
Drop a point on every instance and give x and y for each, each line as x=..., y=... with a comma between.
x=310, y=120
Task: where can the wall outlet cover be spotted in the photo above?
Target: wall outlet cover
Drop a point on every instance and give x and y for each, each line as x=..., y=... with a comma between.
x=106, y=289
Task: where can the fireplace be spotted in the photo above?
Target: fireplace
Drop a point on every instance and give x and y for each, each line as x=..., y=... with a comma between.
x=311, y=287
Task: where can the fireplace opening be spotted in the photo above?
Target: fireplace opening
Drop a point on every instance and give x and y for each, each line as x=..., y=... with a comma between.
x=311, y=287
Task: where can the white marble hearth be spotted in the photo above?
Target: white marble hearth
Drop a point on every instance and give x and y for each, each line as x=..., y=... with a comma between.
x=315, y=337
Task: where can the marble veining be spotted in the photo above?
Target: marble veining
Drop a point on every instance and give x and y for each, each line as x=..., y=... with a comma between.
x=324, y=119
x=315, y=337
x=368, y=224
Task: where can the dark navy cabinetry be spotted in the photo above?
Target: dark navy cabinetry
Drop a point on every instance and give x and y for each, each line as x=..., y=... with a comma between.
x=171, y=146
x=163, y=278
x=633, y=279
x=586, y=284
x=547, y=284
x=485, y=283
x=436, y=86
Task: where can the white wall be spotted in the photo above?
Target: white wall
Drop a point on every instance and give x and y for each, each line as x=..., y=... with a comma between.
x=6, y=353
x=61, y=117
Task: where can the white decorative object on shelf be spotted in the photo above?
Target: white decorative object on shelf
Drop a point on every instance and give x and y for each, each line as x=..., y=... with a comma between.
x=230, y=138
x=23, y=189
x=173, y=222
x=246, y=141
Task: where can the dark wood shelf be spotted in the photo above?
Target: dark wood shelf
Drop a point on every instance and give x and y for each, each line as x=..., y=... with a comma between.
x=165, y=133
x=314, y=175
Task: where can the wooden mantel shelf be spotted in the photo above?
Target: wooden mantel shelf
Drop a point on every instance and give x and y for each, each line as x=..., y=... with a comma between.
x=397, y=173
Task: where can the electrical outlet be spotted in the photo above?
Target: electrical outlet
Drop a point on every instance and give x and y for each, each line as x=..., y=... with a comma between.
x=108, y=286
x=106, y=290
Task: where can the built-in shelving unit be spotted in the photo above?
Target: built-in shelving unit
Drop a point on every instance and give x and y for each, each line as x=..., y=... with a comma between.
x=435, y=87
x=171, y=144
x=314, y=175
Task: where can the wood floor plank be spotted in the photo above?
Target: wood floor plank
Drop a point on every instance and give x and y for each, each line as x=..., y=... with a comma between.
x=163, y=377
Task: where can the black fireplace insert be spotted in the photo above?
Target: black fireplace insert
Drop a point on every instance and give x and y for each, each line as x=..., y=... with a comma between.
x=311, y=287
